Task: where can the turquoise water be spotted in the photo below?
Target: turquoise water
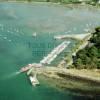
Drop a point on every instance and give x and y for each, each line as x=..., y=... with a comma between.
x=18, y=47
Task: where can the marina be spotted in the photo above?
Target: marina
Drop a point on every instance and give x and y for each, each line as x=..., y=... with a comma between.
x=49, y=58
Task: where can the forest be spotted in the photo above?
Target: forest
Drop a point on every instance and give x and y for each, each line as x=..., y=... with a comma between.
x=89, y=57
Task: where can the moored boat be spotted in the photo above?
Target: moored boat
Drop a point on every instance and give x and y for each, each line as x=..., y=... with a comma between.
x=26, y=68
x=33, y=80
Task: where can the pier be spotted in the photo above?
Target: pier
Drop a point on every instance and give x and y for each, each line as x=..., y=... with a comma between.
x=54, y=53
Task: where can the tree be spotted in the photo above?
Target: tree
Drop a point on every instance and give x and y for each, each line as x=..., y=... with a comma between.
x=92, y=52
x=78, y=63
x=48, y=0
x=95, y=1
x=29, y=0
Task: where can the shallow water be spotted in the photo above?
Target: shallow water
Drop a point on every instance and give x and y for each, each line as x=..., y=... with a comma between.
x=18, y=47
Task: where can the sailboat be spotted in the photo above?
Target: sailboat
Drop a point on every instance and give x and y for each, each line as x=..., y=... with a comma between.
x=34, y=34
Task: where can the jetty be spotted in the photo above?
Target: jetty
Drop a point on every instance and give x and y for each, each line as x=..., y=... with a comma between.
x=54, y=53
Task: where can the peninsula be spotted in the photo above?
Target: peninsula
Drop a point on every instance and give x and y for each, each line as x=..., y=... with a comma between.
x=80, y=77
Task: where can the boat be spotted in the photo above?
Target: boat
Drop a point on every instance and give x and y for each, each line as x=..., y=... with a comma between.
x=26, y=68
x=34, y=80
x=86, y=30
x=34, y=34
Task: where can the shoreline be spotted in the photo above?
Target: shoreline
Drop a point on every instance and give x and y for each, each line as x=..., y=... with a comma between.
x=81, y=45
x=72, y=79
x=65, y=4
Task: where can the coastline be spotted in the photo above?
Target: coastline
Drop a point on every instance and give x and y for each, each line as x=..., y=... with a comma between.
x=65, y=4
x=73, y=80
x=81, y=45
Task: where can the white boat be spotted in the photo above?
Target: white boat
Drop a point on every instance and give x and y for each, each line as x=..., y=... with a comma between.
x=34, y=80
x=34, y=34
x=86, y=30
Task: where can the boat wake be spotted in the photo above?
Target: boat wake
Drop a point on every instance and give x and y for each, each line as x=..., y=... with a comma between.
x=17, y=73
x=11, y=75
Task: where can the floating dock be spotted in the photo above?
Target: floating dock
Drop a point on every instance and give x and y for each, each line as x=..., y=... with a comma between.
x=54, y=53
